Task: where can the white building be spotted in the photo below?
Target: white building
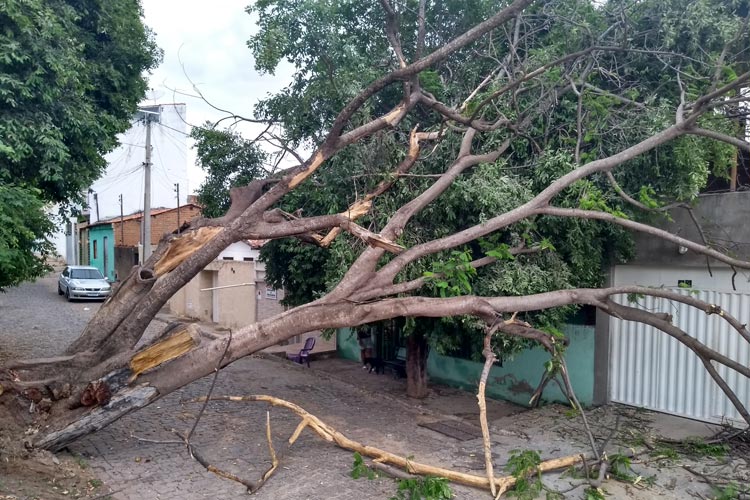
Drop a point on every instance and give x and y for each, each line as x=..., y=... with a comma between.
x=125, y=172
x=124, y=176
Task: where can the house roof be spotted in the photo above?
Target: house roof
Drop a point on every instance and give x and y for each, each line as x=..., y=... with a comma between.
x=139, y=215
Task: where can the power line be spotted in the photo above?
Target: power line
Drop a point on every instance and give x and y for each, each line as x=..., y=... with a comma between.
x=172, y=128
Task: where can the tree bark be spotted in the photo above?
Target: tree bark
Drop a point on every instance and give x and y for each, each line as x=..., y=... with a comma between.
x=416, y=365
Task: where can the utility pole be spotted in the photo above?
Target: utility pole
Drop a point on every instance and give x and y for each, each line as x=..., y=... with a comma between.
x=96, y=202
x=177, y=188
x=148, y=114
x=147, y=194
x=122, y=224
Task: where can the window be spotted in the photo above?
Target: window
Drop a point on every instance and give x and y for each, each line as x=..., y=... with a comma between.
x=227, y=258
x=248, y=259
x=95, y=250
x=86, y=274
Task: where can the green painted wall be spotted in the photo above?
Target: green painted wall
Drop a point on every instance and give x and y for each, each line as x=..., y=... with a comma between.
x=104, y=236
x=517, y=379
x=346, y=344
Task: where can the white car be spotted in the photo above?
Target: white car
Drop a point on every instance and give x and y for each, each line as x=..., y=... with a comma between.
x=83, y=282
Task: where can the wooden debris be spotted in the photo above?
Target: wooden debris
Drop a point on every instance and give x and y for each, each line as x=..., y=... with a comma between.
x=381, y=456
x=183, y=247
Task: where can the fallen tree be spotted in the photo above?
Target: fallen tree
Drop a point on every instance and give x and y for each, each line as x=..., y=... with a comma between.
x=105, y=374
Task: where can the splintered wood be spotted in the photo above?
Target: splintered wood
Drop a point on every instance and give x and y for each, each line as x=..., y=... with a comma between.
x=172, y=347
x=183, y=247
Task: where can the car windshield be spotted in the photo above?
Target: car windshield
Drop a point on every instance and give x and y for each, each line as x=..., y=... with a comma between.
x=86, y=274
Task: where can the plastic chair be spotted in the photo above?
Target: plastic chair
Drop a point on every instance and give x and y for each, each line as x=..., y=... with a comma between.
x=303, y=357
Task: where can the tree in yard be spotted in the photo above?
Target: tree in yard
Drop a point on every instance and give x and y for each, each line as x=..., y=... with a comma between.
x=549, y=123
x=71, y=76
x=229, y=161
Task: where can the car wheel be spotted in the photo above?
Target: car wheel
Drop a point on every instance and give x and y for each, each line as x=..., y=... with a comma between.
x=67, y=294
x=59, y=290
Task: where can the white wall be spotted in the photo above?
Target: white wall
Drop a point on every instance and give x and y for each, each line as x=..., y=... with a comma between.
x=124, y=173
x=721, y=281
x=239, y=251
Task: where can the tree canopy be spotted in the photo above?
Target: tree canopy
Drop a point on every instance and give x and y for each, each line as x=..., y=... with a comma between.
x=568, y=116
x=71, y=76
x=229, y=160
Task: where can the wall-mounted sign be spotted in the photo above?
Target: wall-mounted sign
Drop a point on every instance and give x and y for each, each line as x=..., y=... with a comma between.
x=270, y=293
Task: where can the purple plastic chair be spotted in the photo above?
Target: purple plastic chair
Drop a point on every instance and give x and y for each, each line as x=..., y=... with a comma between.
x=304, y=354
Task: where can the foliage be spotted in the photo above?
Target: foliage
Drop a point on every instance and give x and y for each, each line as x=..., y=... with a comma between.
x=360, y=468
x=229, y=160
x=697, y=447
x=619, y=467
x=523, y=465
x=23, y=223
x=71, y=76
x=418, y=488
x=341, y=48
x=452, y=276
x=731, y=491
x=427, y=488
x=592, y=493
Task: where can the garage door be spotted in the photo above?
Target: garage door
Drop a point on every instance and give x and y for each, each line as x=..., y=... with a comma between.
x=650, y=369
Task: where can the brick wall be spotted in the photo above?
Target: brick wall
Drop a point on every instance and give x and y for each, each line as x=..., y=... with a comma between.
x=128, y=232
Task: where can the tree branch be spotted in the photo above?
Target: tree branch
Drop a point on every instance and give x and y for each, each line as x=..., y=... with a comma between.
x=643, y=228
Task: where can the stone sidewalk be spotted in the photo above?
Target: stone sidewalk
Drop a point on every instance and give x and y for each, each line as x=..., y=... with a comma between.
x=36, y=322
x=365, y=407
x=232, y=436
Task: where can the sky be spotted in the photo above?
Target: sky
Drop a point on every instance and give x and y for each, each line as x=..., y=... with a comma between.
x=204, y=44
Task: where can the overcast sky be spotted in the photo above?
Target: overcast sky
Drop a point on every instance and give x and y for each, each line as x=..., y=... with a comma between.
x=205, y=42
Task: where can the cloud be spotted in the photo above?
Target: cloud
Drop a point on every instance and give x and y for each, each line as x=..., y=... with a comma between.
x=204, y=44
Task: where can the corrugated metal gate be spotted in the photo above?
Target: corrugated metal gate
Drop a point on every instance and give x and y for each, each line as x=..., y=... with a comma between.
x=650, y=369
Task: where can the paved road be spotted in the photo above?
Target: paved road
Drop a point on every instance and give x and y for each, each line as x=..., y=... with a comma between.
x=35, y=321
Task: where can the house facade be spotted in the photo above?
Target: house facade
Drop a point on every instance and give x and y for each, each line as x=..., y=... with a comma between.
x=102, y=249
x=114, y=246
x=646, y=368
x=230, y=291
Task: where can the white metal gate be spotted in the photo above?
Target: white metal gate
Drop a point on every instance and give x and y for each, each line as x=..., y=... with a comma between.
x=650, y=369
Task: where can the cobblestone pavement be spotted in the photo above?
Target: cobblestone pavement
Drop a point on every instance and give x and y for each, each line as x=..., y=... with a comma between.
x=36, y=322
x=133, y=461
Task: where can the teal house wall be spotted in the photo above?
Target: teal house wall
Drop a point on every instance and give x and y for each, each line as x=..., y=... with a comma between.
x=346, y=344
x=102, y=236
x=517, y=379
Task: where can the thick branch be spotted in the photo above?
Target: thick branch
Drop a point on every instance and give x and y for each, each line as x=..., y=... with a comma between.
x=389, y=271
x=331, y=435
x=712, y=134
x=440, y=54
x=644, y=228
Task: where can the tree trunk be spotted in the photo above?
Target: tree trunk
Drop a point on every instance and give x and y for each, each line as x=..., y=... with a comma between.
x=416, y=365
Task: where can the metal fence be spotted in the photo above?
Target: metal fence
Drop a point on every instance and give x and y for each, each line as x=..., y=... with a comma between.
x=650, y=369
